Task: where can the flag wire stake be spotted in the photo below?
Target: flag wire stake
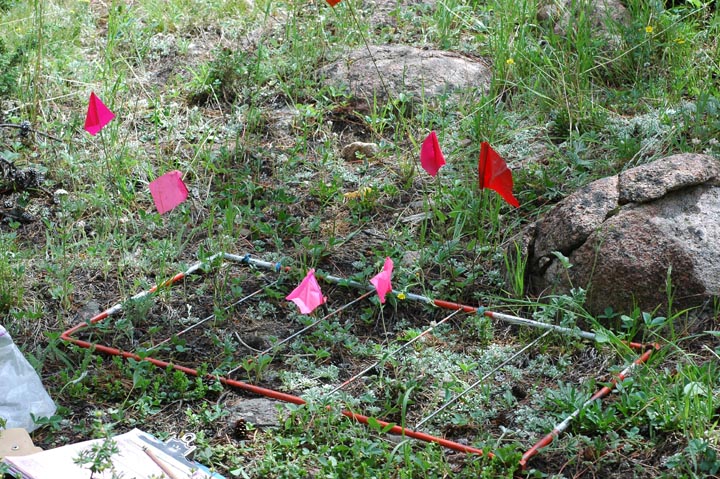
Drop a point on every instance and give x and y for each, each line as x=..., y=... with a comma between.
x=367, y=47
x=307, y=328
x=389, y=428
x=473, y=385
x=189, y=328
x=604, y=391
x=392, y=353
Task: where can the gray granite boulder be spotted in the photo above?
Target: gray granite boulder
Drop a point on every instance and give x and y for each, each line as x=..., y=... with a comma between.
x=413, y=71
x=563, y=15
x=624, y=234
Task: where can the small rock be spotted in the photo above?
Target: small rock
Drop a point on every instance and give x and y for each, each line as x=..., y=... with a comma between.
x=366, y=150
x=259, y=412
x=89, y=310
x=410, y=259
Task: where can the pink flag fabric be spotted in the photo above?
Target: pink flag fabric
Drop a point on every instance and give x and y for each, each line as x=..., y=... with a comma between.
x=494, y=174
x=307, y=295
x=381, y=281
x=98, y=115
x=168, y=191
x=431, y=157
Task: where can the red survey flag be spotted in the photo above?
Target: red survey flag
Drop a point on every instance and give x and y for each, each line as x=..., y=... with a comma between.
x=381, y=281
x=98, y=115
x=307, y=295
x=495, y=174
x=333, y=2
x=431, y=157
x=168, y=191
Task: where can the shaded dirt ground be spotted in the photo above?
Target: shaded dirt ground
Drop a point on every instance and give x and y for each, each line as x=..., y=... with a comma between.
x=236, y=335
x=158, y=325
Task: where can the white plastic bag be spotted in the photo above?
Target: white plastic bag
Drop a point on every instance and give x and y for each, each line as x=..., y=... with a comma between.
x=21, y=392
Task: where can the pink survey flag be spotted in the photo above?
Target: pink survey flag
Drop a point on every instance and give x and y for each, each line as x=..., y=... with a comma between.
x=168, y=191
x=431, y=157
x=494, y=173
x=98, y=115
x=381, y=281
x=307, y=295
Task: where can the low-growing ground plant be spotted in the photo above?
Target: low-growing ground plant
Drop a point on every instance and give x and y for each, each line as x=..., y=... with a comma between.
x=236, y=96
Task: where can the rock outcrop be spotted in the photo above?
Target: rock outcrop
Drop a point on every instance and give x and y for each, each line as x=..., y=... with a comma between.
x=625, y=234
x=413, y=71
x=564, y=15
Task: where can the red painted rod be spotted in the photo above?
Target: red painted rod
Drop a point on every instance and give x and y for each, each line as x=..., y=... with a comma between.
x=189, y=371
x=398, y=430
x=289, y=398
x=604, y=391
x=269, y=393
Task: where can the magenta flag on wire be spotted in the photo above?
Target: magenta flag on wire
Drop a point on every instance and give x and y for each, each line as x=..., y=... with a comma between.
x=168, y=191
x=381, y=281
x=98, y=115
x=431, y=157
x=307, y=295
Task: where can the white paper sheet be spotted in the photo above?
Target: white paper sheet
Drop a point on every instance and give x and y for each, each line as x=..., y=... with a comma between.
x=130, y=463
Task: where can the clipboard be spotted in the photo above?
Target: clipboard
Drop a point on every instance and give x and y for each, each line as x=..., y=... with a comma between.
x=181, y=449
x=16, y=442
x=131, y=460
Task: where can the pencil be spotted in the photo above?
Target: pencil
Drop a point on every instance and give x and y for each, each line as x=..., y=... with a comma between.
x=161, y=464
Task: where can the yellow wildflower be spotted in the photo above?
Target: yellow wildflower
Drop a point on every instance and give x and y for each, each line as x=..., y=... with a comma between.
x=510, y=61
x=360, y=194
x=649, y=29
x=401, y=296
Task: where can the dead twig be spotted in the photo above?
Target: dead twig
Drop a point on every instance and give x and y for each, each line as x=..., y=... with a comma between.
x=25, y=129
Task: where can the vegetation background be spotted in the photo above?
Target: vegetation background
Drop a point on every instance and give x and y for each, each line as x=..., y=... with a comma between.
x=231, y=94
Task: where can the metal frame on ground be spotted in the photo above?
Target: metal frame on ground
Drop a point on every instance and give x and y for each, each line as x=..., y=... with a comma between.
x=247, y=259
